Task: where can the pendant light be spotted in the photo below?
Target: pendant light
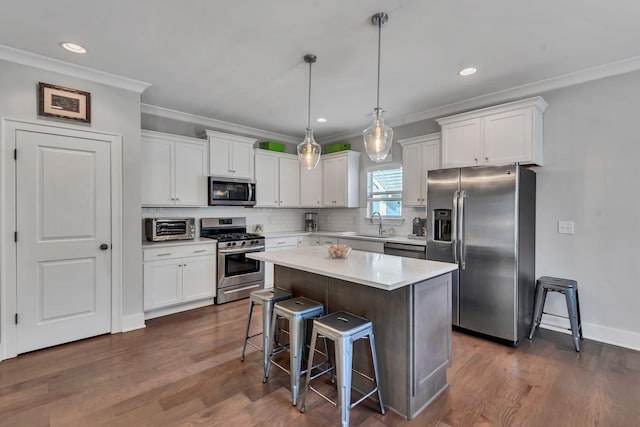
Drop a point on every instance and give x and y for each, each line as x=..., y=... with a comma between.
x=309, y=149
x=378, y=137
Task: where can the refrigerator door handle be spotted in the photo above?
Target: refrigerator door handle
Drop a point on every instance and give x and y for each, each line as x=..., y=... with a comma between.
x=454, y=226
x=463, y=195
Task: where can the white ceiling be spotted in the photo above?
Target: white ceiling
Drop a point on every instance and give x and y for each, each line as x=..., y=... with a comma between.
x=241, y=61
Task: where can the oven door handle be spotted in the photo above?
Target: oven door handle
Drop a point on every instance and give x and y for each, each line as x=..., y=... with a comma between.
x=240, y=250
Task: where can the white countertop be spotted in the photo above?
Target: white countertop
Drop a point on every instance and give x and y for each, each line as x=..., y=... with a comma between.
x=380, y=271
x=348, y=235
x=197, y=241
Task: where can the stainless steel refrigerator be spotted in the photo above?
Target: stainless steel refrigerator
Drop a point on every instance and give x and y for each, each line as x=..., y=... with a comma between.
x=483, y=219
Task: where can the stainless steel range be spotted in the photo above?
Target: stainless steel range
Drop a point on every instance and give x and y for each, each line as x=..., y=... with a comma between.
x=238, y=275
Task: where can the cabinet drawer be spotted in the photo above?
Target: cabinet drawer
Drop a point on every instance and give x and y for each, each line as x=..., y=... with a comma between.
x=168, y=252
x=280, y=242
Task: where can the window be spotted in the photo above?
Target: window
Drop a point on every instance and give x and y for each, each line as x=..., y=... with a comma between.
x=384, y=191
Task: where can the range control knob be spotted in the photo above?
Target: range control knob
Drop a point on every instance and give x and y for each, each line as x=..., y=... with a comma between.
x=244, y=243
x=228, y=244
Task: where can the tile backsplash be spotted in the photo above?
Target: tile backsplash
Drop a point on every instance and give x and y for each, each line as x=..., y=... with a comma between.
x=277, y=220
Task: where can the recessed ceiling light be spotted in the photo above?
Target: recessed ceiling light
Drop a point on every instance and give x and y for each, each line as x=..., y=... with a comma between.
x=72, y=47
x=467, y=71
x=321, y=120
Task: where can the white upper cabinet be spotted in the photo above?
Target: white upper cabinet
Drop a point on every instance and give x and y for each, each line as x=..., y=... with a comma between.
x=419, y=155
x=174, y=170
x=277, y=179
x=505, y=133
x=230, y=155
x=341, y=179
x=311, y=186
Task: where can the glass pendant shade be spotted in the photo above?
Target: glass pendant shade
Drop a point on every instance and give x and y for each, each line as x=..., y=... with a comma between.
x=377, y=138
x=309, y=151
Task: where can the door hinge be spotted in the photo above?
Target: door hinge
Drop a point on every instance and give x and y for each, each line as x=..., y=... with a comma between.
x=15, y=236
x=16, y=317
x=15, y=154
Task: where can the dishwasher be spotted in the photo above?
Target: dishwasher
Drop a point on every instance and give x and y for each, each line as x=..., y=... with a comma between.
x=406, y=250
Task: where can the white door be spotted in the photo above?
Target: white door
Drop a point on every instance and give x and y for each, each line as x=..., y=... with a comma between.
x=198, y=277
x=157, y=172
x=412, y=175
x=311, y=186
x=63, y=217
x=508, y=137
x=461, y=144
x=267, y=193
x=241, y=160
x=219, y=157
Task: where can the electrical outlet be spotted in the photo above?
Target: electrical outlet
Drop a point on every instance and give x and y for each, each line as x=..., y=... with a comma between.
x=566, y=227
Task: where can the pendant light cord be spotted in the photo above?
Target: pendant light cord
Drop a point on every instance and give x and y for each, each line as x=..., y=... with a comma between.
x=379, y=42
x=309, y=106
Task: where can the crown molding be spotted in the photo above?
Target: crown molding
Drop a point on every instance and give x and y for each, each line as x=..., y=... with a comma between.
x=216, y=124
x=79, y=71
x=529, y=89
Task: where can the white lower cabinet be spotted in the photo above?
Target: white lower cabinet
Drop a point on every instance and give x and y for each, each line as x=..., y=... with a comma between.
x=274, y=244
x=178, y=274
x=318, y=241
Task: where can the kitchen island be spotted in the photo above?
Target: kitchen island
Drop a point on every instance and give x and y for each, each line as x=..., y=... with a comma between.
x=407, y=300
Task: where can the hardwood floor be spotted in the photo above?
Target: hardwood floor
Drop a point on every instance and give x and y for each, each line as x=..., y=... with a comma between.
x=185, y=369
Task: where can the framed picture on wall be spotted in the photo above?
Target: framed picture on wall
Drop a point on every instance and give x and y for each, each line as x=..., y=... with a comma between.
x=64, y=103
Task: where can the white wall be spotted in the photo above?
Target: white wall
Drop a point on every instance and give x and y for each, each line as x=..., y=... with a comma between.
x=590, y=176
x=112, y=110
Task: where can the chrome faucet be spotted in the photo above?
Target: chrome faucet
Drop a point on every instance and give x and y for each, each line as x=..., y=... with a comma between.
x=380, y=231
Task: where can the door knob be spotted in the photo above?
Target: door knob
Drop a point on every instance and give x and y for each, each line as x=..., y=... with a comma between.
x=104, y=247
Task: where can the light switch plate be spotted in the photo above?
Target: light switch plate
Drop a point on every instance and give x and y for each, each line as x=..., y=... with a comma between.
x=566, y=227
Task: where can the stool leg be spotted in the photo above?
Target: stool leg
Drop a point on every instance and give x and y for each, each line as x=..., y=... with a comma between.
x=570, y=296
x=267, y=308
x=579, y=318
x=375, y=370
x=344, y=351
x=246, y=335
x=267, y=366
x=541, y=295
x=295, y=356
x=314, y=337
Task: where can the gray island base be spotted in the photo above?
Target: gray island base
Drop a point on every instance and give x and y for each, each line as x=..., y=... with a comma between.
x=411, y=321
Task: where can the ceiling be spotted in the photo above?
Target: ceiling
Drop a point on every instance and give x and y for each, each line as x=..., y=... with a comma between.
x=242, y=61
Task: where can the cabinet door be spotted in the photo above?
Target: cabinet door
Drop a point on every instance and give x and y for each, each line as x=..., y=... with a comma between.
x=334, y=182
x=162, y=283
x=363, y=245
x=508, y=137
x=191, y=174
x=266, y=180
x=430, y=161
x=242, y=160
x=219, y=157
x=461, y=143
x=198, y=277
x=289, y=181
x=412, y=161
x=157, y=172
x=311, y=186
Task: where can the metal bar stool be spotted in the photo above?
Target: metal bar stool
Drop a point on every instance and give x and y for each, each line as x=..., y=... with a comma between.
x=266, y=298
x=570, y=290
x=344, y=329
x=297, y=311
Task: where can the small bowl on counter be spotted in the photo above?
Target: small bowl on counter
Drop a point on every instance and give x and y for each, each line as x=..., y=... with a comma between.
x=339, y=251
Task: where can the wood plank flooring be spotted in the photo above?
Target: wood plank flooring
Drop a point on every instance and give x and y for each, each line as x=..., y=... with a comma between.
x=185, y=369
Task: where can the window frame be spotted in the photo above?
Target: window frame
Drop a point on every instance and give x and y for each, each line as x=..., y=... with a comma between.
x=370, y=201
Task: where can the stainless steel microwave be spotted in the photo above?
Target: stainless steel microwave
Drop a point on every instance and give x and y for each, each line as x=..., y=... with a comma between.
x=231, y=192
x=161, y=229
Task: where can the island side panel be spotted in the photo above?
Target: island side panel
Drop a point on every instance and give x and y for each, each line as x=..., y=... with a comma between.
x=389, y=311
x=432, y=349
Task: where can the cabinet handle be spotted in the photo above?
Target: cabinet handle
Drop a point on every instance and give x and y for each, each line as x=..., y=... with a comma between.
x=486, y=159
x=275, y=201
x=318, y=202
x=281, y=243
x=167, y=254
x=184, y=265
x=232, y=171
x=201, y=250
x=476, y=159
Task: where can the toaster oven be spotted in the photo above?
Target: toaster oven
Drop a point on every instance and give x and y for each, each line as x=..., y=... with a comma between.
x=161, y=229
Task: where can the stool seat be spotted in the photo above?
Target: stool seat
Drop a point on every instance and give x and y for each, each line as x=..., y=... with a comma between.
x=557, y=283
x=266, y=298
x=567, y=287
x=344, y=329
x=300, y=306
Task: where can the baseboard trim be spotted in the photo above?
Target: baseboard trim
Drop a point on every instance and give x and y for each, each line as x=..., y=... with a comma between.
x=592, y=331
x=177, y=308
x=131, y=322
